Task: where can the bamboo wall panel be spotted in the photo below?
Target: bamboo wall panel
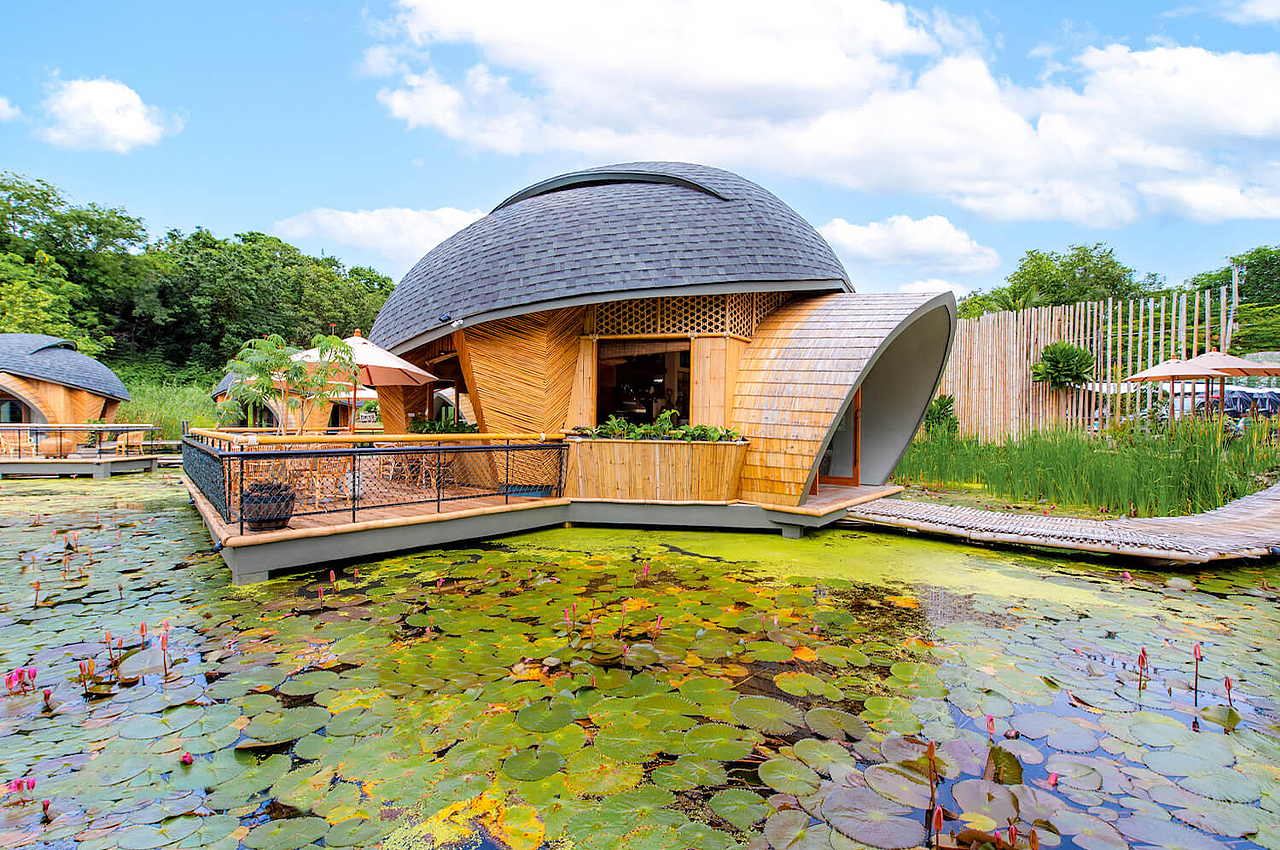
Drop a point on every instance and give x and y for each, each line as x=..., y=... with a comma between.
x=989, y=372
x=793, y=378
x=654, y=470
x=522, y=370
x=735, y=313
x=582, y=399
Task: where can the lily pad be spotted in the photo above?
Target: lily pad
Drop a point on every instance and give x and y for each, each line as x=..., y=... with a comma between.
x=865, y=816
x=788, y=776
x=288, y=834
x=766, y=714
x=739, y=807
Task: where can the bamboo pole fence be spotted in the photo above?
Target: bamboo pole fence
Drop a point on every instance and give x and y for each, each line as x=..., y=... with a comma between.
x=989, y=371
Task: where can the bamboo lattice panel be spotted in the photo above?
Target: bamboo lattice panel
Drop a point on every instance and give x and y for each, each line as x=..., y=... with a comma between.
x=989, y=371
x=736, y=313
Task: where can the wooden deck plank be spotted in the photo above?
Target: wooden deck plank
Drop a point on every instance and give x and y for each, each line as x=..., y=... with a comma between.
x=1246, y=528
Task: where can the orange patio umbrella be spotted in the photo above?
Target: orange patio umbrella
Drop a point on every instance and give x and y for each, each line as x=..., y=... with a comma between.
x=1175, y=370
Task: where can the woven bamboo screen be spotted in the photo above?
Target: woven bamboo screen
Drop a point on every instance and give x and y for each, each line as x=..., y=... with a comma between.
x=989, y=371
x=737, y=314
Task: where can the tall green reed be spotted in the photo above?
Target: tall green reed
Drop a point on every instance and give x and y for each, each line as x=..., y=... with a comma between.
x=1194, y=466
x=167, y=405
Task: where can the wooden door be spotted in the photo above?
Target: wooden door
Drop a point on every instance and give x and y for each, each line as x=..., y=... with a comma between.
x=842, y=458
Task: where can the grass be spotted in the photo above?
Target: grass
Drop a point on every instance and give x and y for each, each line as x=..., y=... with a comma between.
x=167, y=404
x=1192, y=468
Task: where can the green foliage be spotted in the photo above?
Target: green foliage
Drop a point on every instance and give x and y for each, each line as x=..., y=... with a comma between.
x=1082, y=273
x=1259, y=329
x=37, y=298
x=941, y=415
x=663, y=428
x=1192, y=468
x=153, y=371
x=1261, y=283
x=167, y=404
x=1062, y=365
x=443, y=424
x=267, y=373
x=185, y=298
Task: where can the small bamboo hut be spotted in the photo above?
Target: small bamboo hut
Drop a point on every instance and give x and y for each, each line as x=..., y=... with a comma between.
x=631, y=289
x=44, y=380
x=335, y=414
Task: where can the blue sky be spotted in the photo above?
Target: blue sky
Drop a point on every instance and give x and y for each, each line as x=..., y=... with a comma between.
x=931, y=144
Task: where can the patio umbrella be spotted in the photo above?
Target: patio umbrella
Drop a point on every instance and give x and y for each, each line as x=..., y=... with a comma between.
x=376, y=367
x=1175, y=370
x=1229, y=364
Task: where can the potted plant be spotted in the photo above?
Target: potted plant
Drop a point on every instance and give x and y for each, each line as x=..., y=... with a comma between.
x=266, y=505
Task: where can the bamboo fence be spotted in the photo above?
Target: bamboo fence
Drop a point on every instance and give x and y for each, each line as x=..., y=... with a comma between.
x=989, y=371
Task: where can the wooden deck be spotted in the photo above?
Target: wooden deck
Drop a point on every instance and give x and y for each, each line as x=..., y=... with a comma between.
x=95, y=467
x=1246, y=528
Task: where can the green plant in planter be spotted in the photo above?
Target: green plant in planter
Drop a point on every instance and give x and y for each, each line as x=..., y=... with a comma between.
x=663, y=428
x=444, y=424
x=1063, y=365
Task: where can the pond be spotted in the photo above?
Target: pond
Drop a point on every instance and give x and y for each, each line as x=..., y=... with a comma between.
x=593, y=688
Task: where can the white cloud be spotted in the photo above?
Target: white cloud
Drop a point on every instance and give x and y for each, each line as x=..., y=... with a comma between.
x=868, y=94
x=931, y=243
x=8, y=112
x=400, y=234
x=105, y=115
x=1252, y=11
x=934, y=284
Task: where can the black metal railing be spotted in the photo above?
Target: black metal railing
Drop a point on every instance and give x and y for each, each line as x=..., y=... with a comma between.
x=78, y=440
x=261, y=487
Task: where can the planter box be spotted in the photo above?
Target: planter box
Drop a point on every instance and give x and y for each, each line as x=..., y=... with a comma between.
x=654, y=470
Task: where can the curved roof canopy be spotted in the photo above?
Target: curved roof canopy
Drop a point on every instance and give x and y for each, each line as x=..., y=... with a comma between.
x=619, y=231
x=48, y=358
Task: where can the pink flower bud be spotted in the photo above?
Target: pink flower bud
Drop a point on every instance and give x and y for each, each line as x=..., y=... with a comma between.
x=1197, y=652
x=937, y=819
x=186, y=760
x=1053, y=780
x=44, y=806
x=1128, y=576
x=31, y=674
x=991, y=725
x=142, y=630
x=332, y=578
x=31, y=784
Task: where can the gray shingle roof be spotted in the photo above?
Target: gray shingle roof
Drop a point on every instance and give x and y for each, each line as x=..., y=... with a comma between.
x=605, y=233
x=48, y=358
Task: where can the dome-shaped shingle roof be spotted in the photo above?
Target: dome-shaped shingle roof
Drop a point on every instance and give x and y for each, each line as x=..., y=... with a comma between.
x=617, y=231
x=48, y=358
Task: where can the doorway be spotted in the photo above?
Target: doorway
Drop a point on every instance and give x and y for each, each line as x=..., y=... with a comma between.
x=841, y=461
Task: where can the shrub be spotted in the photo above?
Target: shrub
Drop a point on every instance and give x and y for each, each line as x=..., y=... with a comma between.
x=940, y=415
x=1063, y=365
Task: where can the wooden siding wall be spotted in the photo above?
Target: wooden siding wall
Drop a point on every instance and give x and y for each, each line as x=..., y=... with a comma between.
x=521, y=370
x=60, y=404
x=649, y=470
x=989, y=372
x=794, y=377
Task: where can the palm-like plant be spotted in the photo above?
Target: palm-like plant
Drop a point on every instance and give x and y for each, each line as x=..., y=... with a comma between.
x=1063, y=365
x=267, y=373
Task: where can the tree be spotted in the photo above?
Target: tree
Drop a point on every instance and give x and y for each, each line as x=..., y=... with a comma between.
x=36, y=297
x=267, y=373
x=1261, y=283
x=1082, y=273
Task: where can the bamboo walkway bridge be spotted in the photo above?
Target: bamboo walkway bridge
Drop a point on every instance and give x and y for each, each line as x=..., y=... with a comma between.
x=1246, y=528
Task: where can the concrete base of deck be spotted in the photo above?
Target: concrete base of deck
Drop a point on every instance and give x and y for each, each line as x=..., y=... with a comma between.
x=103, y=467
x=316, y=541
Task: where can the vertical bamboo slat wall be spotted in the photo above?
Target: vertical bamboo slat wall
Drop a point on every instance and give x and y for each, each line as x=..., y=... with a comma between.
x=989, y=372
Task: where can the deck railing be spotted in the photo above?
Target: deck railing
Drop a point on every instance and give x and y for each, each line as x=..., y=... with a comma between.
x=84, y=439
x=261, y=482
